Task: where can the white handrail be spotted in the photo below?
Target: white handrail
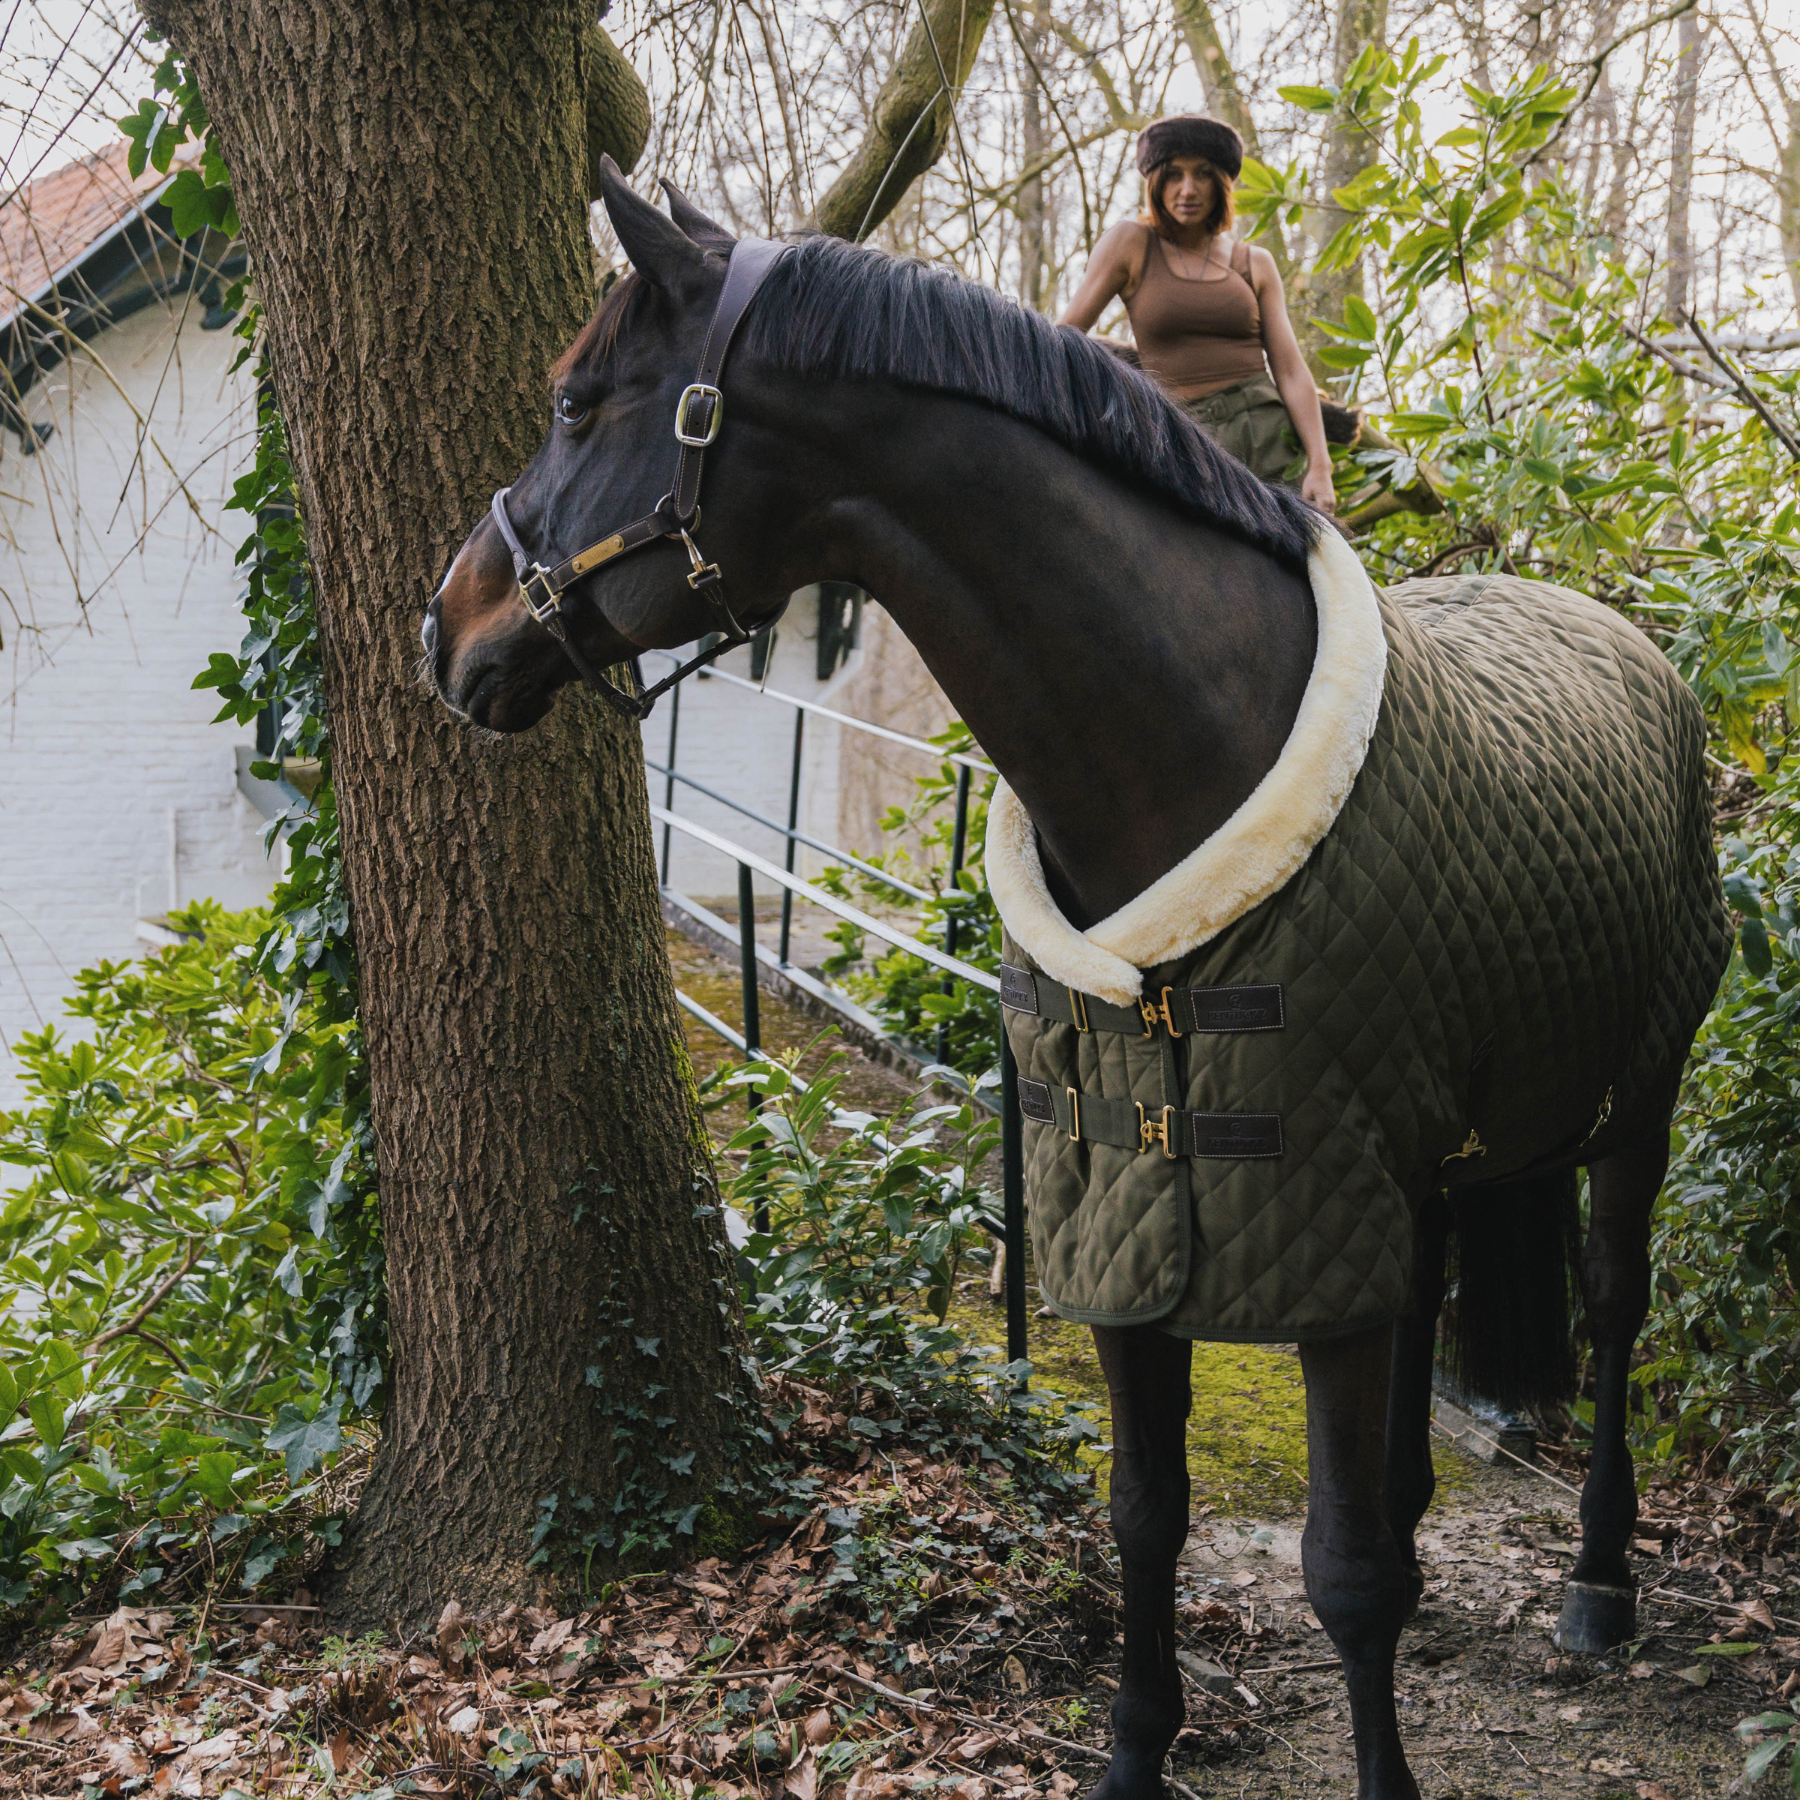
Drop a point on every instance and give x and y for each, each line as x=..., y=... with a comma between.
x=825, y=712
x=830, y=902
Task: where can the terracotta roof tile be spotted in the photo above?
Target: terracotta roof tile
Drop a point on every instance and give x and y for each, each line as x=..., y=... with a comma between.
x=49, y=222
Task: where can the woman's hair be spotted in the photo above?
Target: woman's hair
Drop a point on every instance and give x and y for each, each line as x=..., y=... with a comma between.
x=1162, y=222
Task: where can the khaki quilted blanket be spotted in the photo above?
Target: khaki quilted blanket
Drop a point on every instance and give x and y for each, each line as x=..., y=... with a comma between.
x=1482, y=946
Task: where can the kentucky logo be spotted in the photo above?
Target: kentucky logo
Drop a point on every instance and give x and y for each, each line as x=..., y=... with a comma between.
x=1238, y=1008
x=1238, y=1134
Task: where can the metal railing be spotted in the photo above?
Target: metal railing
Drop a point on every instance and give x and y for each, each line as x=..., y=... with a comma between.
x=1010, y=1227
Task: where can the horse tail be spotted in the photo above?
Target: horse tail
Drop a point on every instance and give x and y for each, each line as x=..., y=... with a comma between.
x=1513, y=1291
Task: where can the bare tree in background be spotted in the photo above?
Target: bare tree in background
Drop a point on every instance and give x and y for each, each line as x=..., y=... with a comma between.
x=1680, y=254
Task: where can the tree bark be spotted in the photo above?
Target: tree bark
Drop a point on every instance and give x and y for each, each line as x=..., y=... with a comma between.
x=1034, y=196
x=410, y=178
x=1349, y=149
x=1679, y=272
x=616, y=108
x=911, y=124
x=1787, y=196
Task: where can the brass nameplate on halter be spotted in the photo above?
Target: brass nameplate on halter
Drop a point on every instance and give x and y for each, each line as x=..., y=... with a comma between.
x=595, y=554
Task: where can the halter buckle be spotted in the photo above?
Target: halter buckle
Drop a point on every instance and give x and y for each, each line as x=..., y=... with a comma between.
x=548, y=611
x=685, y=436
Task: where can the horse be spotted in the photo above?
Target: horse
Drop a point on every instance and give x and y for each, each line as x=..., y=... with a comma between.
x=1139, y=633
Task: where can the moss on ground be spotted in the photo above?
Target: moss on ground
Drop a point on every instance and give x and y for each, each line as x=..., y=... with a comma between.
x=1246, y=1433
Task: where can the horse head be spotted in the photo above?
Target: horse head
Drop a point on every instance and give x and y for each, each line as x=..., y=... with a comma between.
x=610, y=458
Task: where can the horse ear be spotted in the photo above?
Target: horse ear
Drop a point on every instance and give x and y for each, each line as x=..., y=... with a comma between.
x=661, y=252
x=704, y=231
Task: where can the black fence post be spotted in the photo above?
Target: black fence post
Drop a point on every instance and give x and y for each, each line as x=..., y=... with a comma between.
x=752, y=1009
x=669, y=779
x=1012, y=1189
x=787, y=894
x=959, y=848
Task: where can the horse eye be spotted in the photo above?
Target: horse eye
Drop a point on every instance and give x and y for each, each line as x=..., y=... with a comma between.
x=570, y=410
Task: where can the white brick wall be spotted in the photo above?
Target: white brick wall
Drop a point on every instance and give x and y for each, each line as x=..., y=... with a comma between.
x=118, y=796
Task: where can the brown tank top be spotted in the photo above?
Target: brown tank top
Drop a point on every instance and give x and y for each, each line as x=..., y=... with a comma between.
x=1196, y=337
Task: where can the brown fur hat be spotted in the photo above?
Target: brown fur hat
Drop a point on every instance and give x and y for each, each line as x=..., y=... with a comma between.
x=1191, y=134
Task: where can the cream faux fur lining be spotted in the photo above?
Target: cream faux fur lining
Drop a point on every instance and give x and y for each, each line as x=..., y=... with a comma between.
x=1255, y=853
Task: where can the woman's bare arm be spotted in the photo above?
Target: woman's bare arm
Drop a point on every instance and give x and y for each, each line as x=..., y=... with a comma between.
x=1293, y=379
x=1116, y=268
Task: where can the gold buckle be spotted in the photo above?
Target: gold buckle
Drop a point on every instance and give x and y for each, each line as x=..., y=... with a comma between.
x=1078, y=1006
x=1152, y=1014
x=1074, y=1114
x=1157, y=1133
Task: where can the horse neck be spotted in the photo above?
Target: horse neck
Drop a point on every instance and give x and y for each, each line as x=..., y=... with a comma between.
x=1132, y=673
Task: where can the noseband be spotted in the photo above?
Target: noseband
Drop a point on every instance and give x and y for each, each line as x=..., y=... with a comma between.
x=698, y=415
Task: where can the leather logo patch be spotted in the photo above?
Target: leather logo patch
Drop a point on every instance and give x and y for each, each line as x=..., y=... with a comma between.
x=1019, y=991
x=1034, y=1100
x=1238, y=1008
x=1237, y=1134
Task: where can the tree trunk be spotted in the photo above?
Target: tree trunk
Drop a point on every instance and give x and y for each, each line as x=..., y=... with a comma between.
x=1225, y=100
x=1034, y=196
x=411, y=181
x=911, y=124
x=1679, y=273
x=1787, y=195
x=1348, y=151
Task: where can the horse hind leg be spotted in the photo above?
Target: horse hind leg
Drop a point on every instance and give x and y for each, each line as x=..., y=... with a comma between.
x=1600, y=1604
x=1355, y=1572
x=1147, y=1379
x=1411, y=1480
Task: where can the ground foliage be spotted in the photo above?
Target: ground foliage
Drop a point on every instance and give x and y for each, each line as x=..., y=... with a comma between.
x=173, y=1295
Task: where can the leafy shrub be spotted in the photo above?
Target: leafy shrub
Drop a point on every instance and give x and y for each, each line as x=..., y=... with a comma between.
x=1724, y=1337
x=913, y=999
x=858, y=1228
x=171, y=1299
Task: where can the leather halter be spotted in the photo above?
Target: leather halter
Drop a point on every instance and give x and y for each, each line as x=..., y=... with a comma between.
x=698, y=415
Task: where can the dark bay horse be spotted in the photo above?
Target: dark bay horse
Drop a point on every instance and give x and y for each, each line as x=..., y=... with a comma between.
x=1105, y=599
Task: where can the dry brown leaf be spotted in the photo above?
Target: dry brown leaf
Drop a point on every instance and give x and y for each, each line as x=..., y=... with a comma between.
x=1758, y=1612
x=819, y=1728
x=450, y=1634
x=552, y=1637
x=1012, y=1671
x=803, y=1778
x=975, y=1746
x=340, y=1752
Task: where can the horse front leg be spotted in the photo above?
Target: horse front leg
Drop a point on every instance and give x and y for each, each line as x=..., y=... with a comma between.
x=1600, y=1603
x=1411, y=1479
x=1146, y=1374
x=1355, y=1573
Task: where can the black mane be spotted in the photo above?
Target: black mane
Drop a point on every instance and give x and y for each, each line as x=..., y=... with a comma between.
x=844, y=311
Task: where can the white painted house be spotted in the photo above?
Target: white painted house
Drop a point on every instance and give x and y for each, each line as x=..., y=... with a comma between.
x=124, y=427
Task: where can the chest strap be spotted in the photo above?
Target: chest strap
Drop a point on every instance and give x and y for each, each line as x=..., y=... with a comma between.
x=1092, y=1118
x=1178, y=1010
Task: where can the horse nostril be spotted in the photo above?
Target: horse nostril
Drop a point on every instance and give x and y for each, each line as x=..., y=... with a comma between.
x=428, y=632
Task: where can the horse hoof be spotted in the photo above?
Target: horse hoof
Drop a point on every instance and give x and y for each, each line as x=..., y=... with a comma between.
x=1596, y=1619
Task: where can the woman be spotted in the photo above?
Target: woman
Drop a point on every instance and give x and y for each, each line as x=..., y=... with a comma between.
x=1208, y=312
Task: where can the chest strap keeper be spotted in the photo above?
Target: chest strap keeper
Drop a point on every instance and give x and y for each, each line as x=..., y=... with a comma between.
x=1090, y=1118
x=1258, y=1007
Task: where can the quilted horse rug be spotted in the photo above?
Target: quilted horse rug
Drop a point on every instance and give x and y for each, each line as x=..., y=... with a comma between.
x=1464, y=930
